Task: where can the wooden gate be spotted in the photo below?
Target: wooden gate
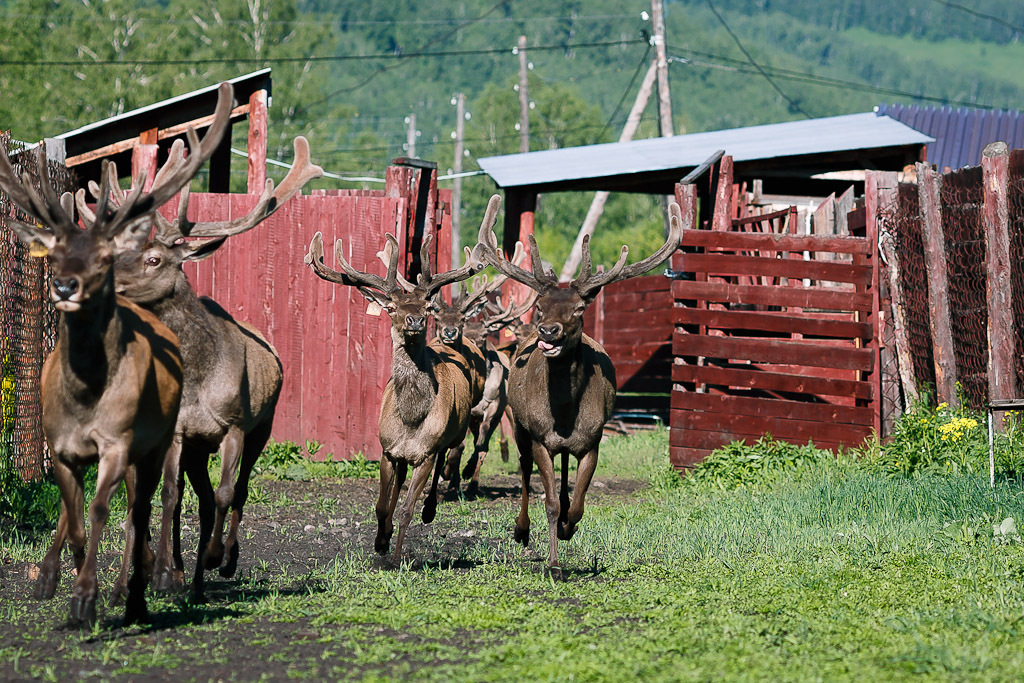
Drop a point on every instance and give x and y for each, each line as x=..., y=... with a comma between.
x=775, y=334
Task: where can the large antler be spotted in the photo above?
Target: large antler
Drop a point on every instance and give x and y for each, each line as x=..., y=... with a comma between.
x=511, y=312
x=53, y=215
x=482, y=288
x=487, y=251
x=370, y=286
x=588, y=282
x=431, y=284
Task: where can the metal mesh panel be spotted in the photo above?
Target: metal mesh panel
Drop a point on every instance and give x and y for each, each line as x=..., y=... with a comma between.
x=906, y=229
x=1015, y=204
x=28, y=325
x=962, y=196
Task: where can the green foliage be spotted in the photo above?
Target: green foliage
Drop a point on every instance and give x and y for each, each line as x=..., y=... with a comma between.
x=287, y=460
x=739, y=464
x=34, y=503
x=929, y=440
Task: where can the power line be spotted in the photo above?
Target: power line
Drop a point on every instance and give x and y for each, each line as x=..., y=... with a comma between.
x=309, y=58
x=625, y=93
x=792, y=103
x=738, y=65
x=313, y=22
x=980, y=15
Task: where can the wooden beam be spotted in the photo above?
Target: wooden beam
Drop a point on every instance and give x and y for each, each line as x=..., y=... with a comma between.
x=164, y=133
x=257, y=146
x=1002, y=378
x=721, y=218
x=938, y=287
x=144, y=160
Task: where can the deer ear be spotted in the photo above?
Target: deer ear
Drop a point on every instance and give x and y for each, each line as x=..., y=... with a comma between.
x=375, y=297
x=199, y=249
x=39, y=241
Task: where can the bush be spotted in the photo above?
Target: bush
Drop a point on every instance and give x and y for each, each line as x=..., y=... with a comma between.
x=33, y=504
x=739, y=464
x=288, y=460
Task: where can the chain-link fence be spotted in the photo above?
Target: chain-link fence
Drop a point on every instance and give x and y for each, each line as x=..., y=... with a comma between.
x=961, y=198
x=28, y=326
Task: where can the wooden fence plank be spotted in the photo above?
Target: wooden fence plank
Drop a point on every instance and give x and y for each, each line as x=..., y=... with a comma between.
x=772, y=322
x=799, y=297
x=732, y=264
x=772, y=351
x=770, y=242
x=750, y=377
x=731, y=404
x=735, y=425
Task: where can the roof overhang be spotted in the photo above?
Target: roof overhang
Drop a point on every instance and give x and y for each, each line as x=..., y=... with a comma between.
x=783, y=151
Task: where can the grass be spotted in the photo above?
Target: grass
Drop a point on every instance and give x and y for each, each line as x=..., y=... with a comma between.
x=830, y=569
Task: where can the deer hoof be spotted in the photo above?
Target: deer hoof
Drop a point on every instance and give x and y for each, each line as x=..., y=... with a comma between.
x=566, y=531
x=46, y=585
x=136, y=612
x=197, y=596
x=213, y=556
x=522, y=536
x=469, y=469
x=555, y=573
x=381, y=544
x=228, y=570
x=429, y=511
x=167, y=580
x=472, y=489
x=83, y=612
x=117, y=596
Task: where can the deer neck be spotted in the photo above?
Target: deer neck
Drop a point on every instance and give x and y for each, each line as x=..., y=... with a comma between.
x=93, y=343
x=185, y=315
x=566, y=374
x=412, y=370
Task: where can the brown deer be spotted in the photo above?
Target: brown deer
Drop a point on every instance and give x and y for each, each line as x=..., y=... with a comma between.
x=562, y=383
x=488, y=410
x=112, y=386
x=233, y=375
x=426, y=403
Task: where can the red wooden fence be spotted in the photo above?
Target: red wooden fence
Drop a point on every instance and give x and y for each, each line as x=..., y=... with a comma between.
x=634, y=321
x=336, y=358
x=769, y=342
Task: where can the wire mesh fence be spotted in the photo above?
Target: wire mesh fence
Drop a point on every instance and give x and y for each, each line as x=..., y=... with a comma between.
x=962, y=197
x=28, y=326
x=1015, y=209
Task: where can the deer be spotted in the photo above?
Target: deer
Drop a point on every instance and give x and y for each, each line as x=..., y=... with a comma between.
x=233, y=375
x=425, y=406
x=562, y=382
x=455, y=322
x=112, y=386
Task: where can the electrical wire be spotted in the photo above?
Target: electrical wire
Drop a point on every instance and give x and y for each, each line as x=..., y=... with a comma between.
x=625, y=93
x=981, y=15
x=792, y=103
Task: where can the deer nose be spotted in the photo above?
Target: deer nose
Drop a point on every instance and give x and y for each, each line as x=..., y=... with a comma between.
x=65, y=287
x=415, y=322
x=450, y=333
x=549, y=331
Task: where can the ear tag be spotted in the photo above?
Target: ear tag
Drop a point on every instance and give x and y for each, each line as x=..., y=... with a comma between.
x=178, y=242
x=37, y=250
x=373, y=308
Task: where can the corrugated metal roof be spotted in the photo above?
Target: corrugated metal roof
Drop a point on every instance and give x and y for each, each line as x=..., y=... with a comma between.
x=960, y=134
x=776, y=140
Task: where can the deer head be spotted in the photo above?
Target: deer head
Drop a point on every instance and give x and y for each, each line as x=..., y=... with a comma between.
x=148, y=267
x=559, y=312
x=81, y=259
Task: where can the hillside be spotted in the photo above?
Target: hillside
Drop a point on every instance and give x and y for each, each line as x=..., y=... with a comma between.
x=375, y=63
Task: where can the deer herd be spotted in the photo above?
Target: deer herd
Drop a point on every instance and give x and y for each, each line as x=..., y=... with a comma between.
x=148, y=379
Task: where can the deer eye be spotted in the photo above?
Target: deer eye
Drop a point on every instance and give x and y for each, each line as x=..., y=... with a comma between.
x=153, y=261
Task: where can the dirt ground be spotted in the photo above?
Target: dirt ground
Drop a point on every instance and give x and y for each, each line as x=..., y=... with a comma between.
x=293, y=528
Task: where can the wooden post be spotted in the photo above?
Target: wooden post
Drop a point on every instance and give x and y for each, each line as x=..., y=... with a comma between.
x=524, y=98
x=460, y=128
x=881, y=193
x=257, y=146
x=520, y=207
x=601, y=197
x=938, y=290
x=721, y=218
x=1002, y=378
x=144, y=157
x=220, y=166
x=899, y=322
x=661, y=59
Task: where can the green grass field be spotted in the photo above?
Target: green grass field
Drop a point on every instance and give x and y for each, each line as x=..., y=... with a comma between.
x=831, y=569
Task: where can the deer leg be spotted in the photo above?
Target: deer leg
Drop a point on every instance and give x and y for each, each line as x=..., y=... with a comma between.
x=255, y=441
x=451, y=467
x=165, y=578
x=584, y=473
x=521, y=534
x=563, y=494
x=504, y=429
x=179, y=562
x=195, y=464
x=112, y=468
x=416, y=484
x=120, y=591
x=430, y=504
x=480, y=446
x=231, y=454
x=546, y=467
x=148, y=478
x=69, y=528
x=392, y=476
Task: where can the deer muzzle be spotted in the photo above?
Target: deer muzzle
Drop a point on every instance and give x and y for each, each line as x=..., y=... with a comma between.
x=65, y=292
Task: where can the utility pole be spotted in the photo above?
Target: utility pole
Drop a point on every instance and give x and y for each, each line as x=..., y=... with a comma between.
x=524, y=98
x=661, y=59
x=410, y=136
x=600, y=198
x=460, y=128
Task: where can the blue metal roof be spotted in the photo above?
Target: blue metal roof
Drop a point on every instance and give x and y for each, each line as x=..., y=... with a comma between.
x=960, y=134
x=772, y=141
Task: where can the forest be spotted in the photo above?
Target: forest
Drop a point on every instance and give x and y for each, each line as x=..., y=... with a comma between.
x=347, y=73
